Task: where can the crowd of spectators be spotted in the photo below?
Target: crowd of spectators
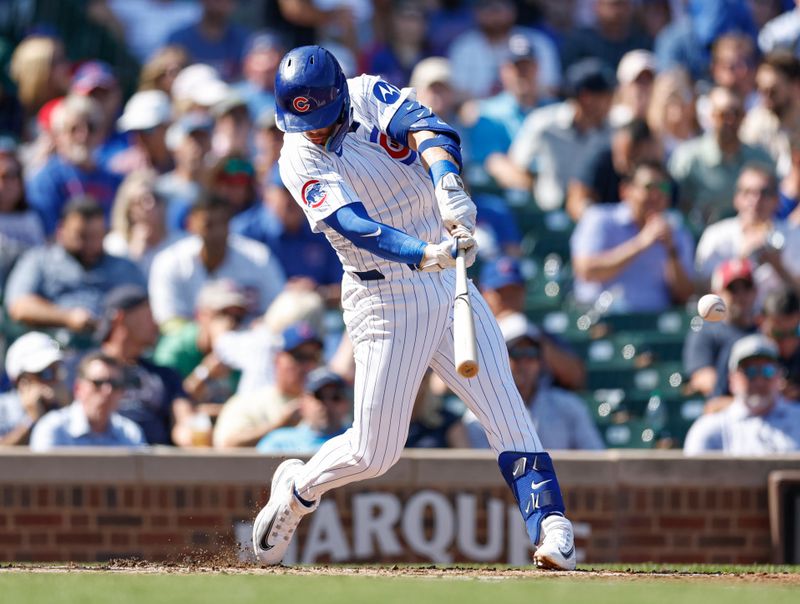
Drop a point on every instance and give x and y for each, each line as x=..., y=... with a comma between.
x=160, y=286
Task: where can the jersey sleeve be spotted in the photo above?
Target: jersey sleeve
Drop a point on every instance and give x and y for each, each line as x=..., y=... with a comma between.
x=315, y=183
x=376, y=100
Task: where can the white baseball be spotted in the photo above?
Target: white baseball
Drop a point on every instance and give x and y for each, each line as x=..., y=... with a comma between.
x=711, y=308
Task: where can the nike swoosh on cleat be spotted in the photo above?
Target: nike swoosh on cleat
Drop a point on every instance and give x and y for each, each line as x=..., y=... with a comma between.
x=567, y=553
x=264, y=543
x=536, y=485
x=376, y=233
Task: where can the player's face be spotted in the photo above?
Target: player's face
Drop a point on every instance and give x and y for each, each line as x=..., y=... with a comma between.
x=320, y=136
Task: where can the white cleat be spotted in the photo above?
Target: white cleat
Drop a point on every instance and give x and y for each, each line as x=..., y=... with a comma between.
x=557, y=549
x=277, y=521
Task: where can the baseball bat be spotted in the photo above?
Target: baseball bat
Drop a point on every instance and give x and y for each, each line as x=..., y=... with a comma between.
x=466, y=353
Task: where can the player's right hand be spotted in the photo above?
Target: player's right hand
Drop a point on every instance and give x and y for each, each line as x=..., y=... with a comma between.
x=455, y=205
x=441, y=256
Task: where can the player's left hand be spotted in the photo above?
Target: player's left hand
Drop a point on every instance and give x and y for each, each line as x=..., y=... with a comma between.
x=456, y=207
x=441, y=256
x=466, y=242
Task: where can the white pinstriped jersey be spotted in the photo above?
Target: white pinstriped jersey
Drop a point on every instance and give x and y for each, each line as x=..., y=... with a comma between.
x=385, y=176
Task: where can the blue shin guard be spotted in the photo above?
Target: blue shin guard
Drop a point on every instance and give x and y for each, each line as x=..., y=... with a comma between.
x=533, y=481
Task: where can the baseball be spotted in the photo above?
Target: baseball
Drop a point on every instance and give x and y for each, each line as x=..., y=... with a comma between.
x=711, y=308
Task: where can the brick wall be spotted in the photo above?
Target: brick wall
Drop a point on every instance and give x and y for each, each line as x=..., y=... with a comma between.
x=442, y=506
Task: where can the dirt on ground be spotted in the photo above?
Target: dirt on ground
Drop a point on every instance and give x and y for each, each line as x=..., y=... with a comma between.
x=205, y=566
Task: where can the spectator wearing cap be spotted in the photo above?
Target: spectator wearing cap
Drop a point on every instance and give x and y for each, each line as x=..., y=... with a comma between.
x=707, y=346
x=477, y=53
x=394, y=58
x=34, y=366
x=432, y=79
x=636, y=73
x=72, y=170
x=323, y=408
x=502, y=285
x=214, y=39
x=555, y=140
x=233, y=179
x=771, y=123
x=96, y=79
x=146, y=117
x=153, y=396
x=279, y=223
x=247, y=418
x=20, y=226
x=232, y=128
x=706, y=168
x=614, y=33
x=63, y=285
x=211, y=252
x=772, y=245
x=139, y=221
x=198, y=87
x=263, y=52
x=189, y=142
x=92, y=419
x=760, y=421
x=221, y=307
x=520, y=90
x=635, y=249
x=560, y=417
x=600, y=176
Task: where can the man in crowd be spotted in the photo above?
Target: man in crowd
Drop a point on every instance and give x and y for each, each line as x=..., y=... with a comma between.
x=706, y=168
x=64, y=285
x=180, y=271
x=634, y=248
x=759, y=421
x=246, y=418
x=33, y=364
x=262, y=54
x=704, y=349
x=72, y=171
x=92, y=419
x=772, y=245
x=559, y=416
x=153, y=396
x=553, y=141
x=145, y=120
x=323, y=409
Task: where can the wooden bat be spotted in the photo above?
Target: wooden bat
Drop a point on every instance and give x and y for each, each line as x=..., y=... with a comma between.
x=466, y=353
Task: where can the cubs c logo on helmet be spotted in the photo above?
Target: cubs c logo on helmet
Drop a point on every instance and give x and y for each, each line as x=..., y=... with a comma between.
x=313, y=195
x=301, y=104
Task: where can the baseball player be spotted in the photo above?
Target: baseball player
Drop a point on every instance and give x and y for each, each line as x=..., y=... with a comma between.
x=378, y=174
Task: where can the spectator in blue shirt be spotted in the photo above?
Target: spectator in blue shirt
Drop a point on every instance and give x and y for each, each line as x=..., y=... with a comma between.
x=91, y=420
x=634, y=249
x=214, y=40
x=279, y=223
x=323, y=412
x=72, y=170
x=262, y=55
x=63, y=285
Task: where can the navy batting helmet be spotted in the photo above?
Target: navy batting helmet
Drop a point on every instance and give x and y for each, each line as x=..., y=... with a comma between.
x=310, y=90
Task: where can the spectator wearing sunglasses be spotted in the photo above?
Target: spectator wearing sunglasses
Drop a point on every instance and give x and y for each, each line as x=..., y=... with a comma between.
x=323, y=409
x=560, y=417
x=247, y=418
x=34, y=366
x=635, y=249
x=760, y=420
x=92, y=419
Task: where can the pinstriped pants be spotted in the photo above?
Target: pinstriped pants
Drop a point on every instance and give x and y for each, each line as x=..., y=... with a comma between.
x=399, y=328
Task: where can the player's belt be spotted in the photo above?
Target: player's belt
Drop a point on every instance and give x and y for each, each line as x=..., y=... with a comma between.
x=373, y=275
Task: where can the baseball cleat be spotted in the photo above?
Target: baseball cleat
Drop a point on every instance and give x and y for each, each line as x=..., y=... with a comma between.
x=277, y=521
x=557, y=549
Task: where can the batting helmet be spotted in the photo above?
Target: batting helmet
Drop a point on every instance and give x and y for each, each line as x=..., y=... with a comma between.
x=310, y=90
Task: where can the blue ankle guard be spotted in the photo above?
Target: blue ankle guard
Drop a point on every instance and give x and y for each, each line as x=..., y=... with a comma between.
x=533, y=481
